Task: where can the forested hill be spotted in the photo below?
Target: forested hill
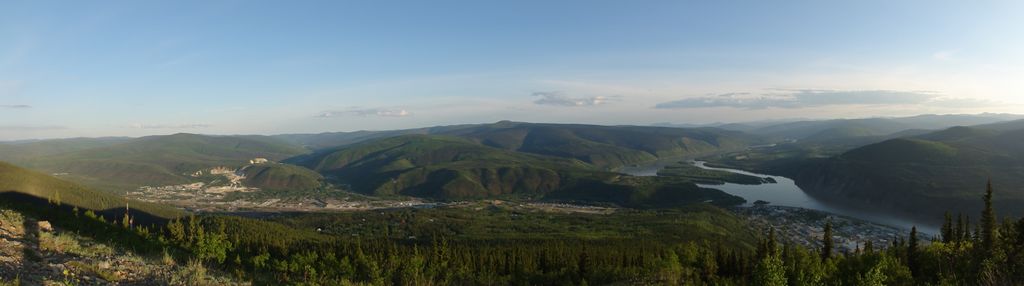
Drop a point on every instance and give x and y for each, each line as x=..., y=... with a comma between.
x=446, y=167
x=277, y=176
x=160, y=160
x=19, y=185
x=926, y=174
x=605, y=146
x=829, y=130
x=121, y=164
x=601, y=146
x=26, y=150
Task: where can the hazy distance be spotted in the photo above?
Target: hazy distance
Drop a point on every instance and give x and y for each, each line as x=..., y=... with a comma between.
x=70, y=69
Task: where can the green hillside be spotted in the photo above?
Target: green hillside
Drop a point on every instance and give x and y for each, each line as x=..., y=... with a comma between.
x=26, y=150
x=17, y=182
x=898, y=151
x=439, y=166
x=160, y=160
x=842, y=133
x=276, y=176
x=445, y=167
x=605, y=146
x=120, y=164
x=925, y=174
x=334, y=140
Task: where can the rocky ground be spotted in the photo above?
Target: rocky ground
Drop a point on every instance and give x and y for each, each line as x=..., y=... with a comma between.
x=33, y=252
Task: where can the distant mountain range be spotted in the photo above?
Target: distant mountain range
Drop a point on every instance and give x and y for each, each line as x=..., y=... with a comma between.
x=902, y=163
x=828, y=130
x=504, y=159
x=603, y=146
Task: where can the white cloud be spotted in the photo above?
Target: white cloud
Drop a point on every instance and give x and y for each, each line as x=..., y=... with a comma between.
x=15, y=106
x=168, y=126
x=558, y=99
x=803, y=98
x=382, y=112
x=944, y=55
x=957, y=102
x=31, y=127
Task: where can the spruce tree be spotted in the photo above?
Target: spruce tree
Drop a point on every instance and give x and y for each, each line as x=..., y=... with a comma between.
x=967, y=228
x=988, y=221
x=958, y=233
x=947, y=228
x=912, y=250
x=770, y=270
x=826, y=241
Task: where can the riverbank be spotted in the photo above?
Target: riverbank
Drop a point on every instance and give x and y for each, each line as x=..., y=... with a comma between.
x=784, y=192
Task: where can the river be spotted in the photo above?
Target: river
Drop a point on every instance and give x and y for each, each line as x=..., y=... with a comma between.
x=785, y=192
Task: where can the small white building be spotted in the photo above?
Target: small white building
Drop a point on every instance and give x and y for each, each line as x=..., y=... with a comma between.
x=258, y=161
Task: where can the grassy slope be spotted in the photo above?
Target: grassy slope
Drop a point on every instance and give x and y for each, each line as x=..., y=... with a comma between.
x=21, y=181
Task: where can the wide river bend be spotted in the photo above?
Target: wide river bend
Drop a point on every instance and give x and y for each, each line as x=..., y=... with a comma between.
x=785, y=193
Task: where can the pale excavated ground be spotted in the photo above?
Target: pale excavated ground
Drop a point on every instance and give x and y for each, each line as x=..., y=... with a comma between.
x=33, y=253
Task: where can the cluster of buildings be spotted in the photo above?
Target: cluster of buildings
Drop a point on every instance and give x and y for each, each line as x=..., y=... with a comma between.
x=807, y=227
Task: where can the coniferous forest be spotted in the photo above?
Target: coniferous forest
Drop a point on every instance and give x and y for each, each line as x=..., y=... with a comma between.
x=270, y=252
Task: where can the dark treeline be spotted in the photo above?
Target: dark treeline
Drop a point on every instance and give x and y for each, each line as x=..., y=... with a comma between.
x=989, y=253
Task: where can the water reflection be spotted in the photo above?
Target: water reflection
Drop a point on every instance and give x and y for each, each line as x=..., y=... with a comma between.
x=784, y=192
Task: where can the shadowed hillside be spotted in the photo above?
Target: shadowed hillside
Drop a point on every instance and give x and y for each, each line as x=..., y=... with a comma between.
x=926, y=174
x=29, y=187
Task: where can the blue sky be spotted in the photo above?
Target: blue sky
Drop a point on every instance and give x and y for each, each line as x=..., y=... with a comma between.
x=132, y=68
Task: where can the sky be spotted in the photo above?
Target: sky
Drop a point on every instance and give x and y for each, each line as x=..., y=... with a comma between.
x=134, y=68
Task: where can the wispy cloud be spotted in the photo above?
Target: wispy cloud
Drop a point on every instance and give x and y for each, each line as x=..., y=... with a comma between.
x=169, y=126
x=966, y=103
x=382, y=112
x=944, y=55
x=31, y=127
x=15, y=106
x=803, y=98
x=558, y=99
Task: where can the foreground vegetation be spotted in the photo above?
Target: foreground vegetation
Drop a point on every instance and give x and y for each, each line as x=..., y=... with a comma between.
x=503, y=243
x=401, y=247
